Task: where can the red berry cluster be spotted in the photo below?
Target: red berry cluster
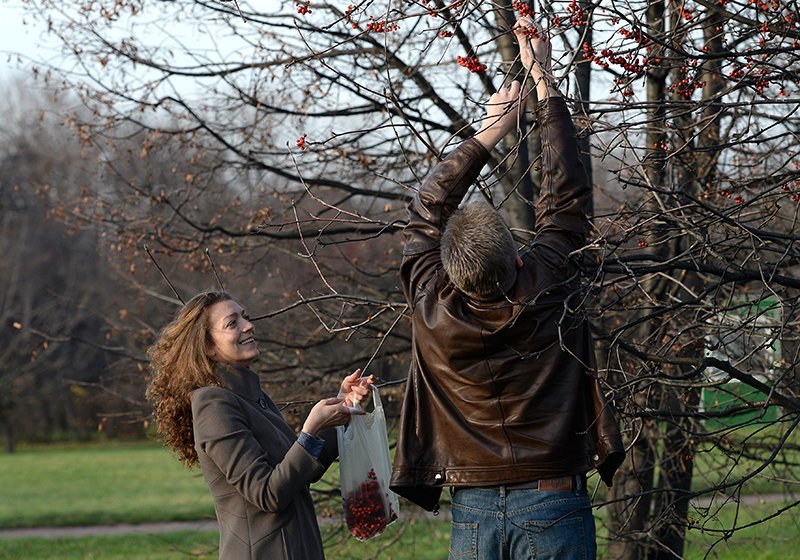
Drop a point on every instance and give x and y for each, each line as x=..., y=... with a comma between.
x=472, y=64
x=736, y=74
x=738, y=199
x=382, y=26
x=628, y=62
x=431, y=10
x=635, y=34
x=456, y=6
x=760, y=84
x=590, y=54
x=301, y=142
x=794, y=196
x=348, y=16
x=626, y=91
x=773, y=5
x=303, y=8
x=577, y=15
x=686, y=86
x=533, y=32
x=365, y=509
x=523, y=8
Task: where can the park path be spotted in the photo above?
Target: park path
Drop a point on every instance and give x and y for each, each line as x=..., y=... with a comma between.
x=211, y=524
x=129, y=529
x=99, y=530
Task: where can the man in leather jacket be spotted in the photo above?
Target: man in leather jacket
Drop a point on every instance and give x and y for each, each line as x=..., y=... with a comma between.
x=502, y=403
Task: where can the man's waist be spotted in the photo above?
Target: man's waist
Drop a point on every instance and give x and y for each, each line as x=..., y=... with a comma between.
x=572, y=483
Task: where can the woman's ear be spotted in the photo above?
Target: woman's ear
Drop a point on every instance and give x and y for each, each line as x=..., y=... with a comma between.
x=211, y=352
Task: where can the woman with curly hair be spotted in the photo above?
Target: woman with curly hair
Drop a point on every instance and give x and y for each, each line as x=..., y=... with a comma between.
x=210, y=410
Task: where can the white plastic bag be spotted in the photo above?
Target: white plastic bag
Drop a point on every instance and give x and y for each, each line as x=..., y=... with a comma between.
x=364, y=472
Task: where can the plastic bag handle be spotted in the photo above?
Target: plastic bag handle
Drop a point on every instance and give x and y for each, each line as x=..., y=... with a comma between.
x=376, y=400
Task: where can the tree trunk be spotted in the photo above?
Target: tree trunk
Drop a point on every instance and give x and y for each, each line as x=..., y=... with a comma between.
x=8, y=433
x=629, y=524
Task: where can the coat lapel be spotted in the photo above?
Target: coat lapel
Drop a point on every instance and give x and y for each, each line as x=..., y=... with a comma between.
x=245, y=383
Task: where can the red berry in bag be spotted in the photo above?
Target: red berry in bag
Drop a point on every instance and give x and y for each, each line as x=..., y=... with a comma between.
x=365, y=509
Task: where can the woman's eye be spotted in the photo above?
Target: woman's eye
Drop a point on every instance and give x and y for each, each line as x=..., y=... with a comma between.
x=232, y=324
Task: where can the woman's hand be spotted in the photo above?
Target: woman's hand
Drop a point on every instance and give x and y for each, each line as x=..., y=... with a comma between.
x=356, y=389
x=328, y=413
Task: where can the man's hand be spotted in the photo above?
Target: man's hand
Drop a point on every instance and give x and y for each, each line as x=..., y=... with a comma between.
x=536, y=55
x=534, y=47
x=502, y=114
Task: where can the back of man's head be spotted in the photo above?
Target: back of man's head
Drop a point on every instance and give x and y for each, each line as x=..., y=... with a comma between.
x=478, y=251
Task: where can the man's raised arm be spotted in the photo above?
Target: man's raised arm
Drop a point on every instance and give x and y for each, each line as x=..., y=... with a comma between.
x=442, y=190
x=561, y=211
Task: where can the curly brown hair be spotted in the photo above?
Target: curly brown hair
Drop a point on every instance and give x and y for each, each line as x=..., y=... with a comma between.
x=179, y=365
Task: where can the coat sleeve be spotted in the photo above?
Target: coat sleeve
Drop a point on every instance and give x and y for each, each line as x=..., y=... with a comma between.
x=438, y=197
x=562, y=209
x=331, y=450
x=221, y=431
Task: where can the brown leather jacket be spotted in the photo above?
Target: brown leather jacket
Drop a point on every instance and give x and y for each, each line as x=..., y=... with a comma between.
x=502, y=391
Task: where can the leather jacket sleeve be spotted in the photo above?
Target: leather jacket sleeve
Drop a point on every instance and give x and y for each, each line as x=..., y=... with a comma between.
x=561, y=211
x=438, y=197
x=440, y=194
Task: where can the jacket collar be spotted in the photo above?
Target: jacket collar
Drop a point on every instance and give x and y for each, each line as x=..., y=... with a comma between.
x=505, y=295
x=240, y=379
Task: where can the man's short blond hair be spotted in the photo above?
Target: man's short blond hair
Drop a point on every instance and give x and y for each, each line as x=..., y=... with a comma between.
x=478, y=251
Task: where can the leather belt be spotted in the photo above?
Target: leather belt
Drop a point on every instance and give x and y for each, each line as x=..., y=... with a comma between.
x=561, y=484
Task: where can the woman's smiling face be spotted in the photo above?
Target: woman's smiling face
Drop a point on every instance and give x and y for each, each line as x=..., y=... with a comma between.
x=232, y=334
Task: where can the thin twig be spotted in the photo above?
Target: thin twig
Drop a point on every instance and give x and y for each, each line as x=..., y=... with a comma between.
x=214, y=270
x=163, y=275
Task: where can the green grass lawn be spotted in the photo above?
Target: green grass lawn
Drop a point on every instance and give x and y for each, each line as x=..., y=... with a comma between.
x=170, y=546
x=424, y=538
x=777, y=539
x=96, y=485
x=144, y=483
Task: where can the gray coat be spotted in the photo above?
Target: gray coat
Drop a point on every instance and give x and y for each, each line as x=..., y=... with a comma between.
x=257, y=472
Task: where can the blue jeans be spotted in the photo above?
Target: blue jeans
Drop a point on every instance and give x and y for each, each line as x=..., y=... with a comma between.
x=496, y=524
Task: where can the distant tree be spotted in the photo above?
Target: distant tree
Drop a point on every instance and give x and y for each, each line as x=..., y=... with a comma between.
x=52, y=300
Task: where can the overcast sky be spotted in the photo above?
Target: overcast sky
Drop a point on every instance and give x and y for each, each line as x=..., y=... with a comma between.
x=20, y=34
